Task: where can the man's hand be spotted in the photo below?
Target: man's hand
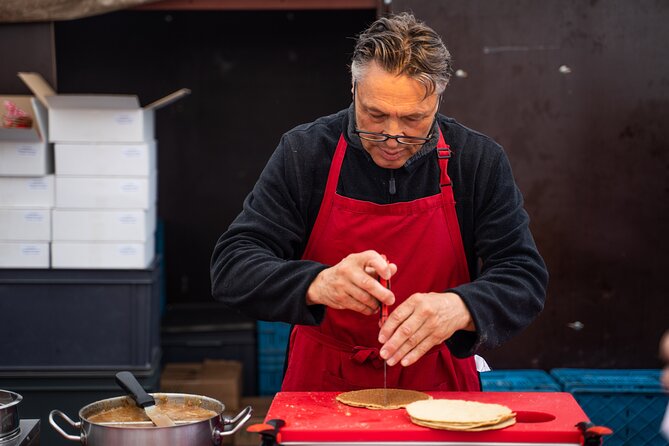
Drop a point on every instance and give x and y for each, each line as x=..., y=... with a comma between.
x=421, y=322
x=352, y=284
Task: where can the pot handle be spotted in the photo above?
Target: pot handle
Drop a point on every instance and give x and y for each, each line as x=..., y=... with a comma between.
x=241, y=418
x=55, y=425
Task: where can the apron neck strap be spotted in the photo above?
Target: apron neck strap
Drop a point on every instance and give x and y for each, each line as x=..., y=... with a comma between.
x=443, y=154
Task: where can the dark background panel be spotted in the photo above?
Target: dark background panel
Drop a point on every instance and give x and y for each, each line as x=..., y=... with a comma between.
x=578, y=93
x=253, y=76
x=588, y=143
x=25, y=47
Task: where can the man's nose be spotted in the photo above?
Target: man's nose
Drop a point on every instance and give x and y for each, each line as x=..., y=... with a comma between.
x=393, y=128
x=391, y=143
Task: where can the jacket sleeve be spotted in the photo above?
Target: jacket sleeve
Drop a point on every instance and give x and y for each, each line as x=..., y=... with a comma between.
x=510, y=290
x=256, y=265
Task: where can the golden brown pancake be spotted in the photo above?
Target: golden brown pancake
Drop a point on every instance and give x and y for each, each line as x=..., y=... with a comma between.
x=381, y=399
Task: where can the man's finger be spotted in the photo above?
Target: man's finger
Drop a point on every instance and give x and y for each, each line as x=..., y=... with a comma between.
x=395, y=319
x=373, y=287
x=355, y=305
x=364, y=299
x=407, y=331
x=415, y=346
x=378, y=262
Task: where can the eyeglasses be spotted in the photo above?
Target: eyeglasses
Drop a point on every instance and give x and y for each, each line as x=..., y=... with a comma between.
x=380, y=137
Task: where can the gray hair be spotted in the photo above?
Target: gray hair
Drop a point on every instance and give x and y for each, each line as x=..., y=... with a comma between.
x=400, y=44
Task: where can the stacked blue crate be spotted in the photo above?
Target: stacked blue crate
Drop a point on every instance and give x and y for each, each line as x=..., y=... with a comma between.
x=630, y=401
x=522, y=380
x=272, y=343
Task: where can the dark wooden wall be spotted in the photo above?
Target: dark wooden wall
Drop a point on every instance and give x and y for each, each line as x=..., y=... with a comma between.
x=25, y=47
x=589, y=144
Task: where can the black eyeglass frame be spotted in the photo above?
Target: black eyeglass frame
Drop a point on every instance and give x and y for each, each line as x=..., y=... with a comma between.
x=385, y=136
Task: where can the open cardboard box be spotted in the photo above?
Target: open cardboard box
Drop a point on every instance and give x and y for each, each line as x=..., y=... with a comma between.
x=97, y=118
x=25, y=151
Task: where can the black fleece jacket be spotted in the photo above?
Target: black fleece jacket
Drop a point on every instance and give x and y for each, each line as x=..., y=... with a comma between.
x=256, y=265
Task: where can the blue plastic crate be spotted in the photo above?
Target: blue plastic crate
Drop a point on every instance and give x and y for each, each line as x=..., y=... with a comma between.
x=272, y=338
x=270, y=374
x=633, y=415
x=272, y=344
x=623, y=378
x=518, y=381
x=629, y=401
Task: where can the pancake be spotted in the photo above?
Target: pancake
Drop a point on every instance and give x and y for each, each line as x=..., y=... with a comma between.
x=450, y=427
x=376, y=398
x=460, y=415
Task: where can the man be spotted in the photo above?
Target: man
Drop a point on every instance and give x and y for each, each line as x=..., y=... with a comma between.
x=388, y=189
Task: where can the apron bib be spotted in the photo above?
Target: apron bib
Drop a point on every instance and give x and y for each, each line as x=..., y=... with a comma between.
x=423, y=238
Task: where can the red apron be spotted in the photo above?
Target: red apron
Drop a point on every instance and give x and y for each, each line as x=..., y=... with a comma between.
x=423, y=238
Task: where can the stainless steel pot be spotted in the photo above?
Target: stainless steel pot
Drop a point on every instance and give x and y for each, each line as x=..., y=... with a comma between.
x=202, y=433
x=9, y=415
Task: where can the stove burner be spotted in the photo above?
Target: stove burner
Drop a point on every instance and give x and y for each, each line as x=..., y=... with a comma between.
x=27, y=434
x=8, y=436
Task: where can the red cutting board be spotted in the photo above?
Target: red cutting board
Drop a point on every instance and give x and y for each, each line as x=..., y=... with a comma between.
x=542, y=417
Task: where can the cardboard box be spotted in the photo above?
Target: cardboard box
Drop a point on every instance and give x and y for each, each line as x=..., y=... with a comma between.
x=138, y=159
x=25, y=224
x=106, y=192
x=27, y=192
x=260, y=405
x=218, y=379
x=97, y=118
x=103, y=225
x=102, y=255
x=24, y=254
x=25, y=151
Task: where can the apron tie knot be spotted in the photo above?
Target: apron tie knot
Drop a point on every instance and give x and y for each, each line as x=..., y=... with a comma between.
x=363, y=354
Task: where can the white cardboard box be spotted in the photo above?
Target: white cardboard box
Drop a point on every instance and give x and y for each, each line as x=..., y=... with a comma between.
x=25, y=224
x=106, y=192
x=97, y=118
x=103, y=225
x=24, y=254
x=105, y=255
x=26, y=151
x=27, y=192
x=123, y=159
